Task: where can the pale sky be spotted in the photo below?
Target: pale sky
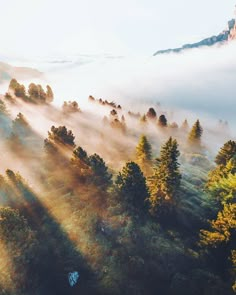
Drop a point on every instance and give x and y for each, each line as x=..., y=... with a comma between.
x=39, y=28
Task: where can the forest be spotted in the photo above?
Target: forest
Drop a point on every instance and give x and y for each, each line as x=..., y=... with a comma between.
x=111, y=200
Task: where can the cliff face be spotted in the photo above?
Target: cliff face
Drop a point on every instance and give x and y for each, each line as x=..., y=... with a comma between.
x=226, y=35
x=232, y=34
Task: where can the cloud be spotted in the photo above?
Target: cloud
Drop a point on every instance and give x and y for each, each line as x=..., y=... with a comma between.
x=201, y=80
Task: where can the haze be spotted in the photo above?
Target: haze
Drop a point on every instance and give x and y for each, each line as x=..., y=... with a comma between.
x=40, y=28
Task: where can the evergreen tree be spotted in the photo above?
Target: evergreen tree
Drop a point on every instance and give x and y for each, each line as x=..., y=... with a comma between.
x=227, y=152
x=70, y=107
x=165, y=182
x=20, y=126
x=185, y=125
x=144, y=154
x=100, y=175
x=131, y=185
x=49, y=94
x=17, y=251
x=151, y=114
x=226, y=163
x=143, y=119
x=80, y=163
x=61, y=135
x=36, y=93
x=17, y=89
x=195, y=134
x=3, y=109
x=162, y=121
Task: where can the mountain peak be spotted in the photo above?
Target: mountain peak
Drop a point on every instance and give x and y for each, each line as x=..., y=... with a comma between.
x=226, y=35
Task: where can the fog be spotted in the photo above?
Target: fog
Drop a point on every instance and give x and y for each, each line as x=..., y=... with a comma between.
x=198, y=80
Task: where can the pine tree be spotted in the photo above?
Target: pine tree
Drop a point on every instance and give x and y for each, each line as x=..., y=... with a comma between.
x=131, y=186
x=165, y=182
x=144, y=154
x=162, y=121
x=195, y=134
x=185, y=125
x=143, y=119
x=226, y=163
x=49, y=94
x=151, y=114
x=61, y=135
x=227, y=152
x=80, y=158
x=100, y=175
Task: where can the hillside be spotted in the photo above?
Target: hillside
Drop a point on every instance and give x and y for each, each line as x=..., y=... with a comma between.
x=105, y=200
x=7, y=72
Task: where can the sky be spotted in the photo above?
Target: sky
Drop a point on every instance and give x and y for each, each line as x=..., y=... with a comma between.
x=40, y=28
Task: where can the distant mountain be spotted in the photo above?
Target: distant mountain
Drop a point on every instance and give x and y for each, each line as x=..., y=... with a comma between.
x=223, y=37
x=7, y=72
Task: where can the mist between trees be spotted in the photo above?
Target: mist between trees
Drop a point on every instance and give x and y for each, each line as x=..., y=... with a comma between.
x=137, y=201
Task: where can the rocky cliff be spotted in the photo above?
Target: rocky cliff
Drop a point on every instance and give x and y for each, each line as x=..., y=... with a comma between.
x=225, y=36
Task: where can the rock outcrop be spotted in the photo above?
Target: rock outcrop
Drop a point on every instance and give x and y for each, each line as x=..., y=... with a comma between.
x=227, y=35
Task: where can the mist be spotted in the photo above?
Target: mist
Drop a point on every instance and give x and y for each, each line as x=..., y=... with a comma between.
x=198, y=80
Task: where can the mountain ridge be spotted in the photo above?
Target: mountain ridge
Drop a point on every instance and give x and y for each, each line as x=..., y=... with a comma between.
x=226, y=35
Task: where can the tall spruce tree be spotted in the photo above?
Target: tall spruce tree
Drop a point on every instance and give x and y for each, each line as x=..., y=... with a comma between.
x=100, y=174
x=227, y=152
x=185, y=125
x=151, y=114
x=226, y=164
x=144, y=154
x=195, y=134
x=162, y=121
x=165, y=182
x=131, y=186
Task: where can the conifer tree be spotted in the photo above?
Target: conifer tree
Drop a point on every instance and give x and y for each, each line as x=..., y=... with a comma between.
x=151, y=114
x=195, y=134
x=226, y=163
x=49, y=94
x=165, y=182
x=227, y=152
x=131, y=185
x=61, y=135
x=185, y=125
x=80, y=163
x=144, y=154
x=143, y=119
x=100, y=175
x=162, y=121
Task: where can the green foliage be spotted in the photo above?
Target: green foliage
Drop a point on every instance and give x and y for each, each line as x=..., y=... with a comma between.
x=165, y=182
x=195, y=134
x=144, y=154
x=143, y=119
x=17, y=89
x=36, y=93
x=221, y=229
x=226, y=164
x=91, y=170
x=131, y=185
x=227, y=152
x=162, y=121
x=60, y=135
x=101, y=177
x=17, y=248
x=151, y=114
x=70, y=107
x=224, y=190
x=185, y=125
x=49, y=94
x=3, y=108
